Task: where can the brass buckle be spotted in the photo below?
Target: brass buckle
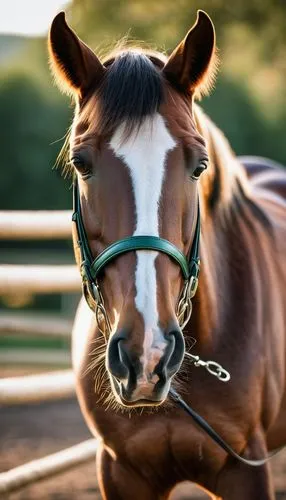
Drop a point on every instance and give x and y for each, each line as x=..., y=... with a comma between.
x=88, y=295
x=95, y=292
x=184, y=307
x=90, y=290
x=190, y=288
x=193, y=285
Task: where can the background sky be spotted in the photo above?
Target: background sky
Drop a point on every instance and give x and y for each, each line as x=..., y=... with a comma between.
x=28, y=17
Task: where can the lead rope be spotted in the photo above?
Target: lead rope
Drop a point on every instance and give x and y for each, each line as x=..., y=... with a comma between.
x=214, y=435
x=223, y=375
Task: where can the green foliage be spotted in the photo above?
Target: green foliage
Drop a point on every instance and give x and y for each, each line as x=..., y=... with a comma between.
x=32, y=122
x=165, y=22
x=241, y=118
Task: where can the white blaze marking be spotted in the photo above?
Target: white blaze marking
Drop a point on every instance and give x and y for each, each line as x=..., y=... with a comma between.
x=145, y=153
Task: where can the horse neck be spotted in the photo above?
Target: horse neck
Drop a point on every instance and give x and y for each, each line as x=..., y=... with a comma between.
x=224, y=191
x=225, y=177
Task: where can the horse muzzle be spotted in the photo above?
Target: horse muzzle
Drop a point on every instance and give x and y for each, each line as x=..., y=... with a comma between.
x=139, y=382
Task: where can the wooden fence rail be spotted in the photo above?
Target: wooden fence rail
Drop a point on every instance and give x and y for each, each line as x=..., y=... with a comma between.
x=35, y=388
x=35, y=225
x=35, y=325
x=19, y=477
x=38, y=279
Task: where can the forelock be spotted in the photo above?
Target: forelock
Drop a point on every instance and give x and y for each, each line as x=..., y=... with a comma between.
x=131, y=90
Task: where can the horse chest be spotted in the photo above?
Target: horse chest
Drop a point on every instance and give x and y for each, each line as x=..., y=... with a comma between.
x=159, y=446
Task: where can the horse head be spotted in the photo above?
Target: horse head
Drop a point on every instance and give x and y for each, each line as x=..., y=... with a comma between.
x=137, y=156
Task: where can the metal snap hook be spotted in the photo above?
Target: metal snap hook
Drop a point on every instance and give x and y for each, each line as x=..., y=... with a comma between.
x=211, y=366
x=218, y=371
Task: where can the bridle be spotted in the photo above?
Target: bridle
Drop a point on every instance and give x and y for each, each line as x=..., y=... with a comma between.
x=91, y=269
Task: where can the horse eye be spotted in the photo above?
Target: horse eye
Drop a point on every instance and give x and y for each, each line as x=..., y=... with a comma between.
x=78, y=163
x=199, y=170
x=81, y=166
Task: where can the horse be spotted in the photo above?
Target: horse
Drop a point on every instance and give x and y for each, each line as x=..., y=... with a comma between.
x=152, y=175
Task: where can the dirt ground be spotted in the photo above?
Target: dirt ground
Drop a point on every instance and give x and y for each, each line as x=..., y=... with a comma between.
x=33, y=431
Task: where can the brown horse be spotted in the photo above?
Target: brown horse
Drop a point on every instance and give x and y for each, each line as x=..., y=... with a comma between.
x=138, y=145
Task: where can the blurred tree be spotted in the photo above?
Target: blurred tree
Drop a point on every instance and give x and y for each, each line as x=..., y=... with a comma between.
x=165, y=22
x=240, y=117
x=31, y=123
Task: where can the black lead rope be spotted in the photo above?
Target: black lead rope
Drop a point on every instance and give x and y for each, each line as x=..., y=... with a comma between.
x=214, y=435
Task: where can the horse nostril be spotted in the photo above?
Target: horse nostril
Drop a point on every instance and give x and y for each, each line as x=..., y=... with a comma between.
x=179, y=348
x=173, y=357
x=116, y=360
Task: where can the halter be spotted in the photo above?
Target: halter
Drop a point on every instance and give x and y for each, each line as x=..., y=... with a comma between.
x=91, y=268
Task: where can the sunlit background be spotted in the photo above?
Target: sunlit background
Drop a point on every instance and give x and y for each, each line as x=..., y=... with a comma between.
x=29, y=17
x=248, y=103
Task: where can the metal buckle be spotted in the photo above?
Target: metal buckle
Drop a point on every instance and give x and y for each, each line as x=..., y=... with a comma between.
x=190, y=288
x=184, y=307
x=88, y=295
x=94, y=299
x=96, y=292
x=84, y=271
x=90, y=290
x=193, y=285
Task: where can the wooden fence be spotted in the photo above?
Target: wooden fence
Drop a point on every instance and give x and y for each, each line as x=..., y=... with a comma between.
x=46, y=386
x=37, y=225
x=43, y=468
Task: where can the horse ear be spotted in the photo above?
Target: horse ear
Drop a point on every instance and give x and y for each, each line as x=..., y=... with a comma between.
x=191, y=66
x=73, y=63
